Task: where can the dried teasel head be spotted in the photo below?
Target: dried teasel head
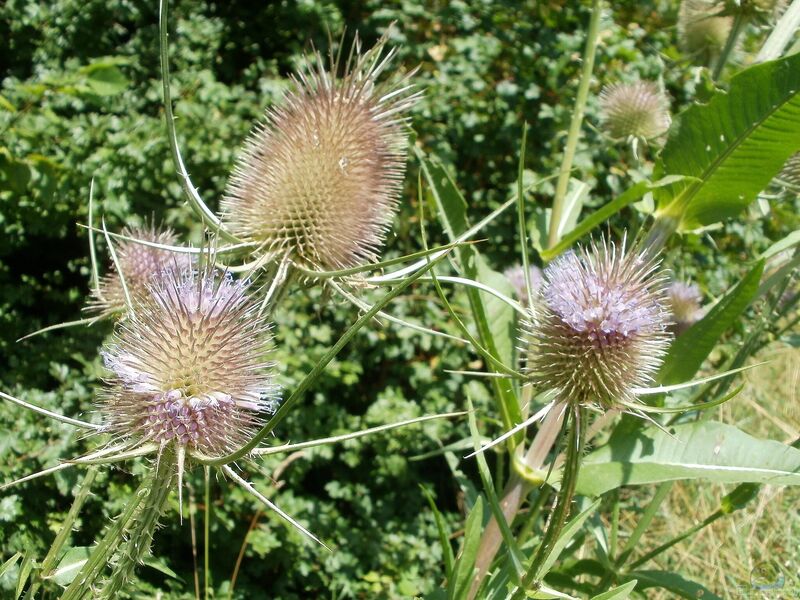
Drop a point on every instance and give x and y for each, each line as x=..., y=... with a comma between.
x=634, y=111
x=516, y=277
x=684, y=301
x=190, y=368
x=702, y=32
x=599, y=329
x=138, y=263
x=320, y=179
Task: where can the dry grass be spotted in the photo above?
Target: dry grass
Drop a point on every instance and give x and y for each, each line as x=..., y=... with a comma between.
x=726, y=556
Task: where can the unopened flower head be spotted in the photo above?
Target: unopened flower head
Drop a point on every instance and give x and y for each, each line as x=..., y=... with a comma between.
x=190, y=366
x=702, y=33
x=320, y=179
x=516, y=277
x=684, y=300
x=138, y=262
x=637, y=111
x=600, y=328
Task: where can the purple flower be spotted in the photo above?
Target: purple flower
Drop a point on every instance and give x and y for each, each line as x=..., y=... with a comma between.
x=189, y=367
x=600, y=329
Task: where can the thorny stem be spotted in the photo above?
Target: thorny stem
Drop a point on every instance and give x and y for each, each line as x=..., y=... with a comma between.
x=49, y=561
x=575, y=123
x=558, y=518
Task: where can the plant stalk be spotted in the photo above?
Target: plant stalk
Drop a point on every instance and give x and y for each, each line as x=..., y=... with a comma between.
x=730, y=44
x=575, y=123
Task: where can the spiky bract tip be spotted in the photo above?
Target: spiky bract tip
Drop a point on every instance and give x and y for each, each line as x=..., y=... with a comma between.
x=599, y=328
x=190, y=367
x=320, y=179
x=637, y=110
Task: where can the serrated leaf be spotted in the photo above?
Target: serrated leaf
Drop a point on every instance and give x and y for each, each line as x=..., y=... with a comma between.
x=708, y=450
x=734, y=145
x=690, y=349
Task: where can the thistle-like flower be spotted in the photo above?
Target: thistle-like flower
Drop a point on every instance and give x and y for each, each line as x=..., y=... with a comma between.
x=516, y=277
x=320, y=179
x=684, y=300
x=702, y=33
x=190, y=368
x=139, y=263
x=634, y=111
x=600, y=328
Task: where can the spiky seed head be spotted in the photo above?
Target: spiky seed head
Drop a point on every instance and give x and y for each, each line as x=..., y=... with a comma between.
x=138, y=263
x=702, y=33
x=638, y=111
x=791, y=170
x=599, y=329
x=684, y=300
x=516, y=277
x=320, y=179
x=190, y=367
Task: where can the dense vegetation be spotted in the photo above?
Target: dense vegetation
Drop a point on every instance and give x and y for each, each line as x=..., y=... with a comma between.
x=81, y=101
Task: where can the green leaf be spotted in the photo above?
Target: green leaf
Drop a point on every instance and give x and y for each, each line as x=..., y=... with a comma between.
x=708, y=450
x=107, y=81
x=501, y=317
x=675, y=583
x=789, y=241
x=734, y=145
x=444, y=537
x=70, y=564
x=24, y=572
x=569, y=531
x=462, y=573
x=9, y=563
x=617, y=593
x=691, y=348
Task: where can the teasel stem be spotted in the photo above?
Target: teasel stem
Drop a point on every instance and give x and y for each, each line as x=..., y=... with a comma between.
x=140, y=535
x=515, y=492
x=575, y=123
x=53, y=553
x=558, y=518
x=736, y=30
x=662, y=229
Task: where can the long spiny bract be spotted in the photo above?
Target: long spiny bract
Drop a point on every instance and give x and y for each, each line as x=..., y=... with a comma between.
x=320, y=179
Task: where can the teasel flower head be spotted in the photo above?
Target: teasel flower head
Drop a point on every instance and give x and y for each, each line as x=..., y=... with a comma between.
x=516, y=277
x=189, y=369
x=634, y=111
x=319, y=180
x=684, y=301
x=138, y=263
x=791, y=171
x=599, y=329
x=702, y=31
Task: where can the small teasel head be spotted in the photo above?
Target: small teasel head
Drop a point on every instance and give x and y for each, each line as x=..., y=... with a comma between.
x=320, y=179
x=599, y=329
x=138, y=263
x=684, y=301
x=702, y=31
x=190, y=367
x=634, y=111
x=516, y=277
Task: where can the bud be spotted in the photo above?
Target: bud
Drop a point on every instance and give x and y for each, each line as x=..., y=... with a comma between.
x=684, y=300
x=516, y=277
x=701, y=32
x=138, y=263
x=189, y=367
x=600, y=328
x=320, y=179
x=634, y=111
